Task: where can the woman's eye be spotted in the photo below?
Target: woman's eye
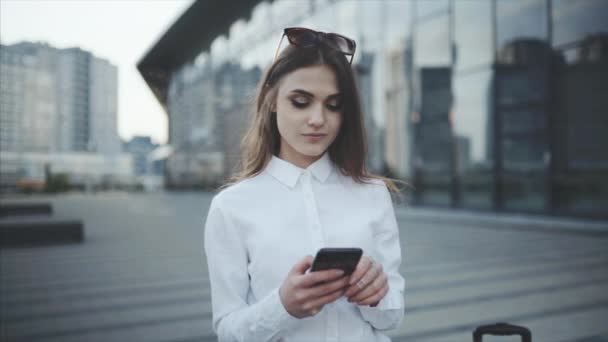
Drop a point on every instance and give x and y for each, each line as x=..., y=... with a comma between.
x=299, y=102
x=334, y=106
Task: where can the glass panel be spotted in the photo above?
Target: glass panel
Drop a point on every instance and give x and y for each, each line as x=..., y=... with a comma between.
x=473, y=33
x=398, y=24
x=425, y=8
x=432, y=42
x=431, y=126
x=347, y=20
x=519, y=21
x=433, y=137
x=472, y=119
x=575, y=20
x=581, y=126
x=521, y=107
x=371, y=24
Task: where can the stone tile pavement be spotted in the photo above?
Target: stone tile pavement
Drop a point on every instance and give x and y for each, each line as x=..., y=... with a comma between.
x=141, y=275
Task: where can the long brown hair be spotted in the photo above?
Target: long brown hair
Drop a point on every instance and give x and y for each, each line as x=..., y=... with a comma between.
x=262, y=140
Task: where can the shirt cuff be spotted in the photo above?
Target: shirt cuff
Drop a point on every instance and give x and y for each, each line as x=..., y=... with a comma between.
x=274, y=315
x=392, y=301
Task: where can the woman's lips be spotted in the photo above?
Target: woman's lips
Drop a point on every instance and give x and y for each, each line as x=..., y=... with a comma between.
x=315, y=137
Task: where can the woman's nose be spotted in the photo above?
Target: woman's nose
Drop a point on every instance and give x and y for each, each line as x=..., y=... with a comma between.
x=317, y=116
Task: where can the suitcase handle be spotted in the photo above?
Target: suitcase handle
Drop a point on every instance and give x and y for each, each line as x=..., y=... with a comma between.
x=502, y=329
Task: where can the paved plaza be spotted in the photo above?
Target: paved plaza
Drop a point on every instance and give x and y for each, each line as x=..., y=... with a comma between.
x=141, y=275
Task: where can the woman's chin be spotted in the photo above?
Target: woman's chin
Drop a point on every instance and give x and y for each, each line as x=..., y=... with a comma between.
x=314, y=152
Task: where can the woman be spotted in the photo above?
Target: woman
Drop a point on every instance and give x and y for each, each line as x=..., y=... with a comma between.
x=304, y=186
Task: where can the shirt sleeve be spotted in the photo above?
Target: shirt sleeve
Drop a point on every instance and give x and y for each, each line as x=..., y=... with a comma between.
x=233, y=318
x=390, y=310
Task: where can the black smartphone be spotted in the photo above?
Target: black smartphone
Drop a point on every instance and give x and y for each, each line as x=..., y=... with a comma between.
x=345, y=259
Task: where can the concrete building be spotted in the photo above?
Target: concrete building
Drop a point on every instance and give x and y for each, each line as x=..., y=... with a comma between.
x=83, y=170
x=235, y=107
x=103, y=108
x=195, y=130
x=398, y=112
x=29, y=102
x=140, y=148
x=56, y=101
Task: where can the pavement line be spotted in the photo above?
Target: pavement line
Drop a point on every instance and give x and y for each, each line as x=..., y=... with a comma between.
x=13, y=319
x=602, y=337
x=505, y=277
x=126, y=290
x=544, y=257
x=489, y=223
x=204, y=316
x=49, y=270
x=18, y=260
x=505, y=295
x=469, y=327
x=148, y=276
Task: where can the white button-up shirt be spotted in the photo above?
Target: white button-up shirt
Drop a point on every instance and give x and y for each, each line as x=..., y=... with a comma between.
x=259, y=228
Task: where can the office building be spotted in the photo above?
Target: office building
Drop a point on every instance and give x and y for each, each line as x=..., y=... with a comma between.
x=484, y=105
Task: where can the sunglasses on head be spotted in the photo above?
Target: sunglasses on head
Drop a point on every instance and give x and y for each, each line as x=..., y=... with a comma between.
x=303, y=37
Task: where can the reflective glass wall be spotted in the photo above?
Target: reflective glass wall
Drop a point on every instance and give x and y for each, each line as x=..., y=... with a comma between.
x=511, y=111
x=432, y=127
x=478, y=104
x=472, y=110
x=579, y=106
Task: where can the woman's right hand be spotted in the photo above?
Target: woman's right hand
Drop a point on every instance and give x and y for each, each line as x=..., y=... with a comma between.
x=304, y=294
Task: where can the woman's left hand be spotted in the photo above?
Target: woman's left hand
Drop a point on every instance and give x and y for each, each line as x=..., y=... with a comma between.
x=368, y=284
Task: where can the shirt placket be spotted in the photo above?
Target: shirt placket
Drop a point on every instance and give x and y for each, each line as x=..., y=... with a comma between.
x=311, y=208
x=331, y=331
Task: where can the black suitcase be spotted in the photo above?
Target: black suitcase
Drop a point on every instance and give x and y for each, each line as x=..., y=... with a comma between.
x=502, y=329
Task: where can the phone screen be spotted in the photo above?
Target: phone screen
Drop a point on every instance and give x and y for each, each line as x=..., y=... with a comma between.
x=345, y=259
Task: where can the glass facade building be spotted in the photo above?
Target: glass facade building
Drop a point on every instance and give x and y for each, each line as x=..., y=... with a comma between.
x=509, y=112
x=494, y=105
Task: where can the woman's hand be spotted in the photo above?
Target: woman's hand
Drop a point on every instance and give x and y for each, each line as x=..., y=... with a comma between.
x=368, y=284
x=304, y=294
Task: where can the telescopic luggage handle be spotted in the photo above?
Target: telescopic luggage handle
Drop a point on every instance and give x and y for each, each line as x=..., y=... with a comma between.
x=502, y=329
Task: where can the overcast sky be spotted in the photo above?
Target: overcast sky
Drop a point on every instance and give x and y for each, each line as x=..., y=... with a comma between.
x=120, y=31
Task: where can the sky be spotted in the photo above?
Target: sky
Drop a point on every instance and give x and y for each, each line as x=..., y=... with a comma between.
x=120, y=31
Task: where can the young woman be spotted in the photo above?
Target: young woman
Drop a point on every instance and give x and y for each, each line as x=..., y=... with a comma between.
x=304, y=186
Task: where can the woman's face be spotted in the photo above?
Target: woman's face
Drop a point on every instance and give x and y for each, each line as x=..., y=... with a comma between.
x=309, y=113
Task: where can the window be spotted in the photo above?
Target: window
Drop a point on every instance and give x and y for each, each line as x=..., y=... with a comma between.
x=573, y=21
x=473, y=134
x=517, y=21
x=473, y=34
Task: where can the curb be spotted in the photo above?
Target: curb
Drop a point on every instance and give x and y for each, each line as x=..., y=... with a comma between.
x=504, y=221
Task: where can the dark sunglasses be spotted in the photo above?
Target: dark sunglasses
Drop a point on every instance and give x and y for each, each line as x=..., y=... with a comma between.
x=303, y=37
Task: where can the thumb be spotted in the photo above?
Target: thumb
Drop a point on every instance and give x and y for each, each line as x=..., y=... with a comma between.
x=302, y=265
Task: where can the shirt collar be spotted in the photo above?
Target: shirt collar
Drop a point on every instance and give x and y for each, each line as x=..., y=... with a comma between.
x=288, y=174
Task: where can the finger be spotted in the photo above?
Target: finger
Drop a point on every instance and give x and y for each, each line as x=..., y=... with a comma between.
x=374, y=286
x=301, y=266
x=367, y=279
x=313, y=278
x=362, y=267
x=375, y=298
x=315, y=305
x=323, y=289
